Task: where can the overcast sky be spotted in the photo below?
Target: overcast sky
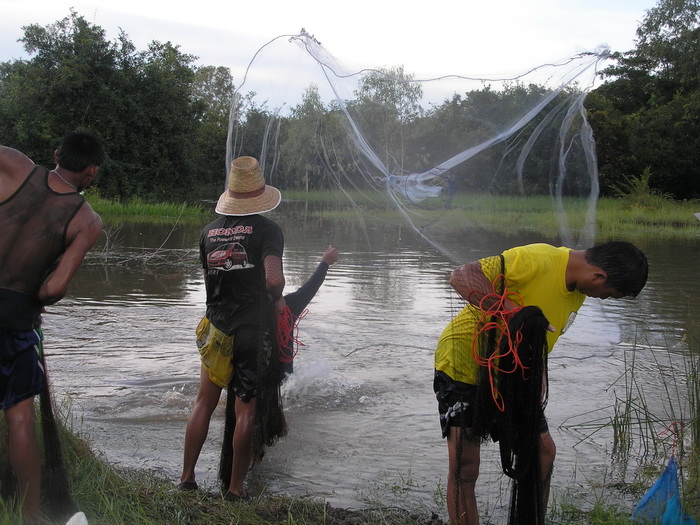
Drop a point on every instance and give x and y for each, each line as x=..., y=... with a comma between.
x=427, y=38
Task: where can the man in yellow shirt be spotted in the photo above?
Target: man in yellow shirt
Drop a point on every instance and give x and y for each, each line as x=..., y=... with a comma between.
x=557, y=280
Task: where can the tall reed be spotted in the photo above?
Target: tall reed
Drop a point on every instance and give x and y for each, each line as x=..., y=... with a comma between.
x=651, y=433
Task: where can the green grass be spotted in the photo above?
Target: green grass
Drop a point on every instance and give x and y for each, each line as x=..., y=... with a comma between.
x=627, y=217
x=600, y=514
x=137, y=210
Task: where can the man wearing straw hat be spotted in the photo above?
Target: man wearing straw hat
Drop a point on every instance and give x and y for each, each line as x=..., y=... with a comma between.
x=241, y=254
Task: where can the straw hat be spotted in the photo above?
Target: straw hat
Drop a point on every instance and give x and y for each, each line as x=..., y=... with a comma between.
x=247, y=193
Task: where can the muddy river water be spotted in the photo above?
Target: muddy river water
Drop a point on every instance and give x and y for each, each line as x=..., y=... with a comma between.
x=361, y=411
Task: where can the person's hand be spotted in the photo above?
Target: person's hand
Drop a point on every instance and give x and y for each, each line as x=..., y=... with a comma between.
x=280, y=305
x=330, y=256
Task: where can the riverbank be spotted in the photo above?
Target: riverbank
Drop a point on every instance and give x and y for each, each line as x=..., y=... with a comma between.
x=631, y=217
x=108, y=495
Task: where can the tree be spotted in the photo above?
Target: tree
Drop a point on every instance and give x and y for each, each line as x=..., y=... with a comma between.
x=647, y=114
x=162, y=150
x=69, y=83
x=303, y=161
x=213, y=93
x=141, y=103
x=668, y=45
x=388, y=102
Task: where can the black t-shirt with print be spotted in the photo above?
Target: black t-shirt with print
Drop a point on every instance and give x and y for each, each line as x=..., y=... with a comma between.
x=232, y=251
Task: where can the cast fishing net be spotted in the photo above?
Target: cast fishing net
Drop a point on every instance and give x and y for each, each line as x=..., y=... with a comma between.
x=522, y=383
x=270, y=423
x=54, y=477
x=446, y=153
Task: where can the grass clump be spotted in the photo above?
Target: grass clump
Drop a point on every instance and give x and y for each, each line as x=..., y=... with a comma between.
x=648, y=432
x=631, y=216
x=137, y=210
x=600, y=514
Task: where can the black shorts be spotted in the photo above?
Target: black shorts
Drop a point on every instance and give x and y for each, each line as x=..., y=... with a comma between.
x=456, y=404
x=244, y=380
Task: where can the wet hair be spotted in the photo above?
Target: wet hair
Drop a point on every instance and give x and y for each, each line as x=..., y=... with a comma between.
x=624, y=263
x=80, y=149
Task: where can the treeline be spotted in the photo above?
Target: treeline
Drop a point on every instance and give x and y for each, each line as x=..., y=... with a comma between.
x=165, y=120
x=646, y=117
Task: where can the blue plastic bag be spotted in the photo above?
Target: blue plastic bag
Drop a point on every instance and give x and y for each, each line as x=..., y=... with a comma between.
x=661, y=504
x=674, y=515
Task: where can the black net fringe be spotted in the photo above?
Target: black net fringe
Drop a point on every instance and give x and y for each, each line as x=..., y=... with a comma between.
x=270, y=422
x=226, y=460
x=524, y=395
x=55, y=485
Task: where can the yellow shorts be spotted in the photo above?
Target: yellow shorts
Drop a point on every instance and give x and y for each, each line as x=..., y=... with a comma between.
x=216, y=351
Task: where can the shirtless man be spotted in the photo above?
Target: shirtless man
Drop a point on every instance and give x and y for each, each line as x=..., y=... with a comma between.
x=46, y=228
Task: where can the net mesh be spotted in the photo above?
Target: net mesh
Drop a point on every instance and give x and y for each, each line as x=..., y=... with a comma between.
x=270, y=422
x=437, y=149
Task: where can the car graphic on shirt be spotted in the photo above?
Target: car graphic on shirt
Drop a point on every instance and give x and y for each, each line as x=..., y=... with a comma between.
x=227, y=256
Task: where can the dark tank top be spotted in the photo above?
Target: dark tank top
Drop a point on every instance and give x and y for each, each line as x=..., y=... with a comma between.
x=33, y=225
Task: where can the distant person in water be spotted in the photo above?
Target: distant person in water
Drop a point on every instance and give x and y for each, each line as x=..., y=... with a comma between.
x=46, y=228
x=298, y=301
x=241, y=254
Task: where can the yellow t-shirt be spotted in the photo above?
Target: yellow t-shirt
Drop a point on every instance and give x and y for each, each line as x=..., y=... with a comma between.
x=537, y=273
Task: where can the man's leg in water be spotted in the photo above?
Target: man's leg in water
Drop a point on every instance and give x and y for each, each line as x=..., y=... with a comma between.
x=464, y=459
x=24, y=456
x=242, y=445
x=548, y=451
x=198, y=424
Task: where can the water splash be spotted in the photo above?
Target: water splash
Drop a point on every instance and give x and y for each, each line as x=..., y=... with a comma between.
x=317, y=383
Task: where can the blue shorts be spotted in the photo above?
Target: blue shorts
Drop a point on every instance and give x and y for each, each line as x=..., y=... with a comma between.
x=21, y=366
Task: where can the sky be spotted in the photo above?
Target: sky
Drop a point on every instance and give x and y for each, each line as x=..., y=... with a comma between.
x=426, y=38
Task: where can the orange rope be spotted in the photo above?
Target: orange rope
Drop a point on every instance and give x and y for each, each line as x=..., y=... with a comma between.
x=287, y=334
x=495, y=317
x=677, y=433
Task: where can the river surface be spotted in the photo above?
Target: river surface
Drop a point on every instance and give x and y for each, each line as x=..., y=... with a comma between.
x=360, y=407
